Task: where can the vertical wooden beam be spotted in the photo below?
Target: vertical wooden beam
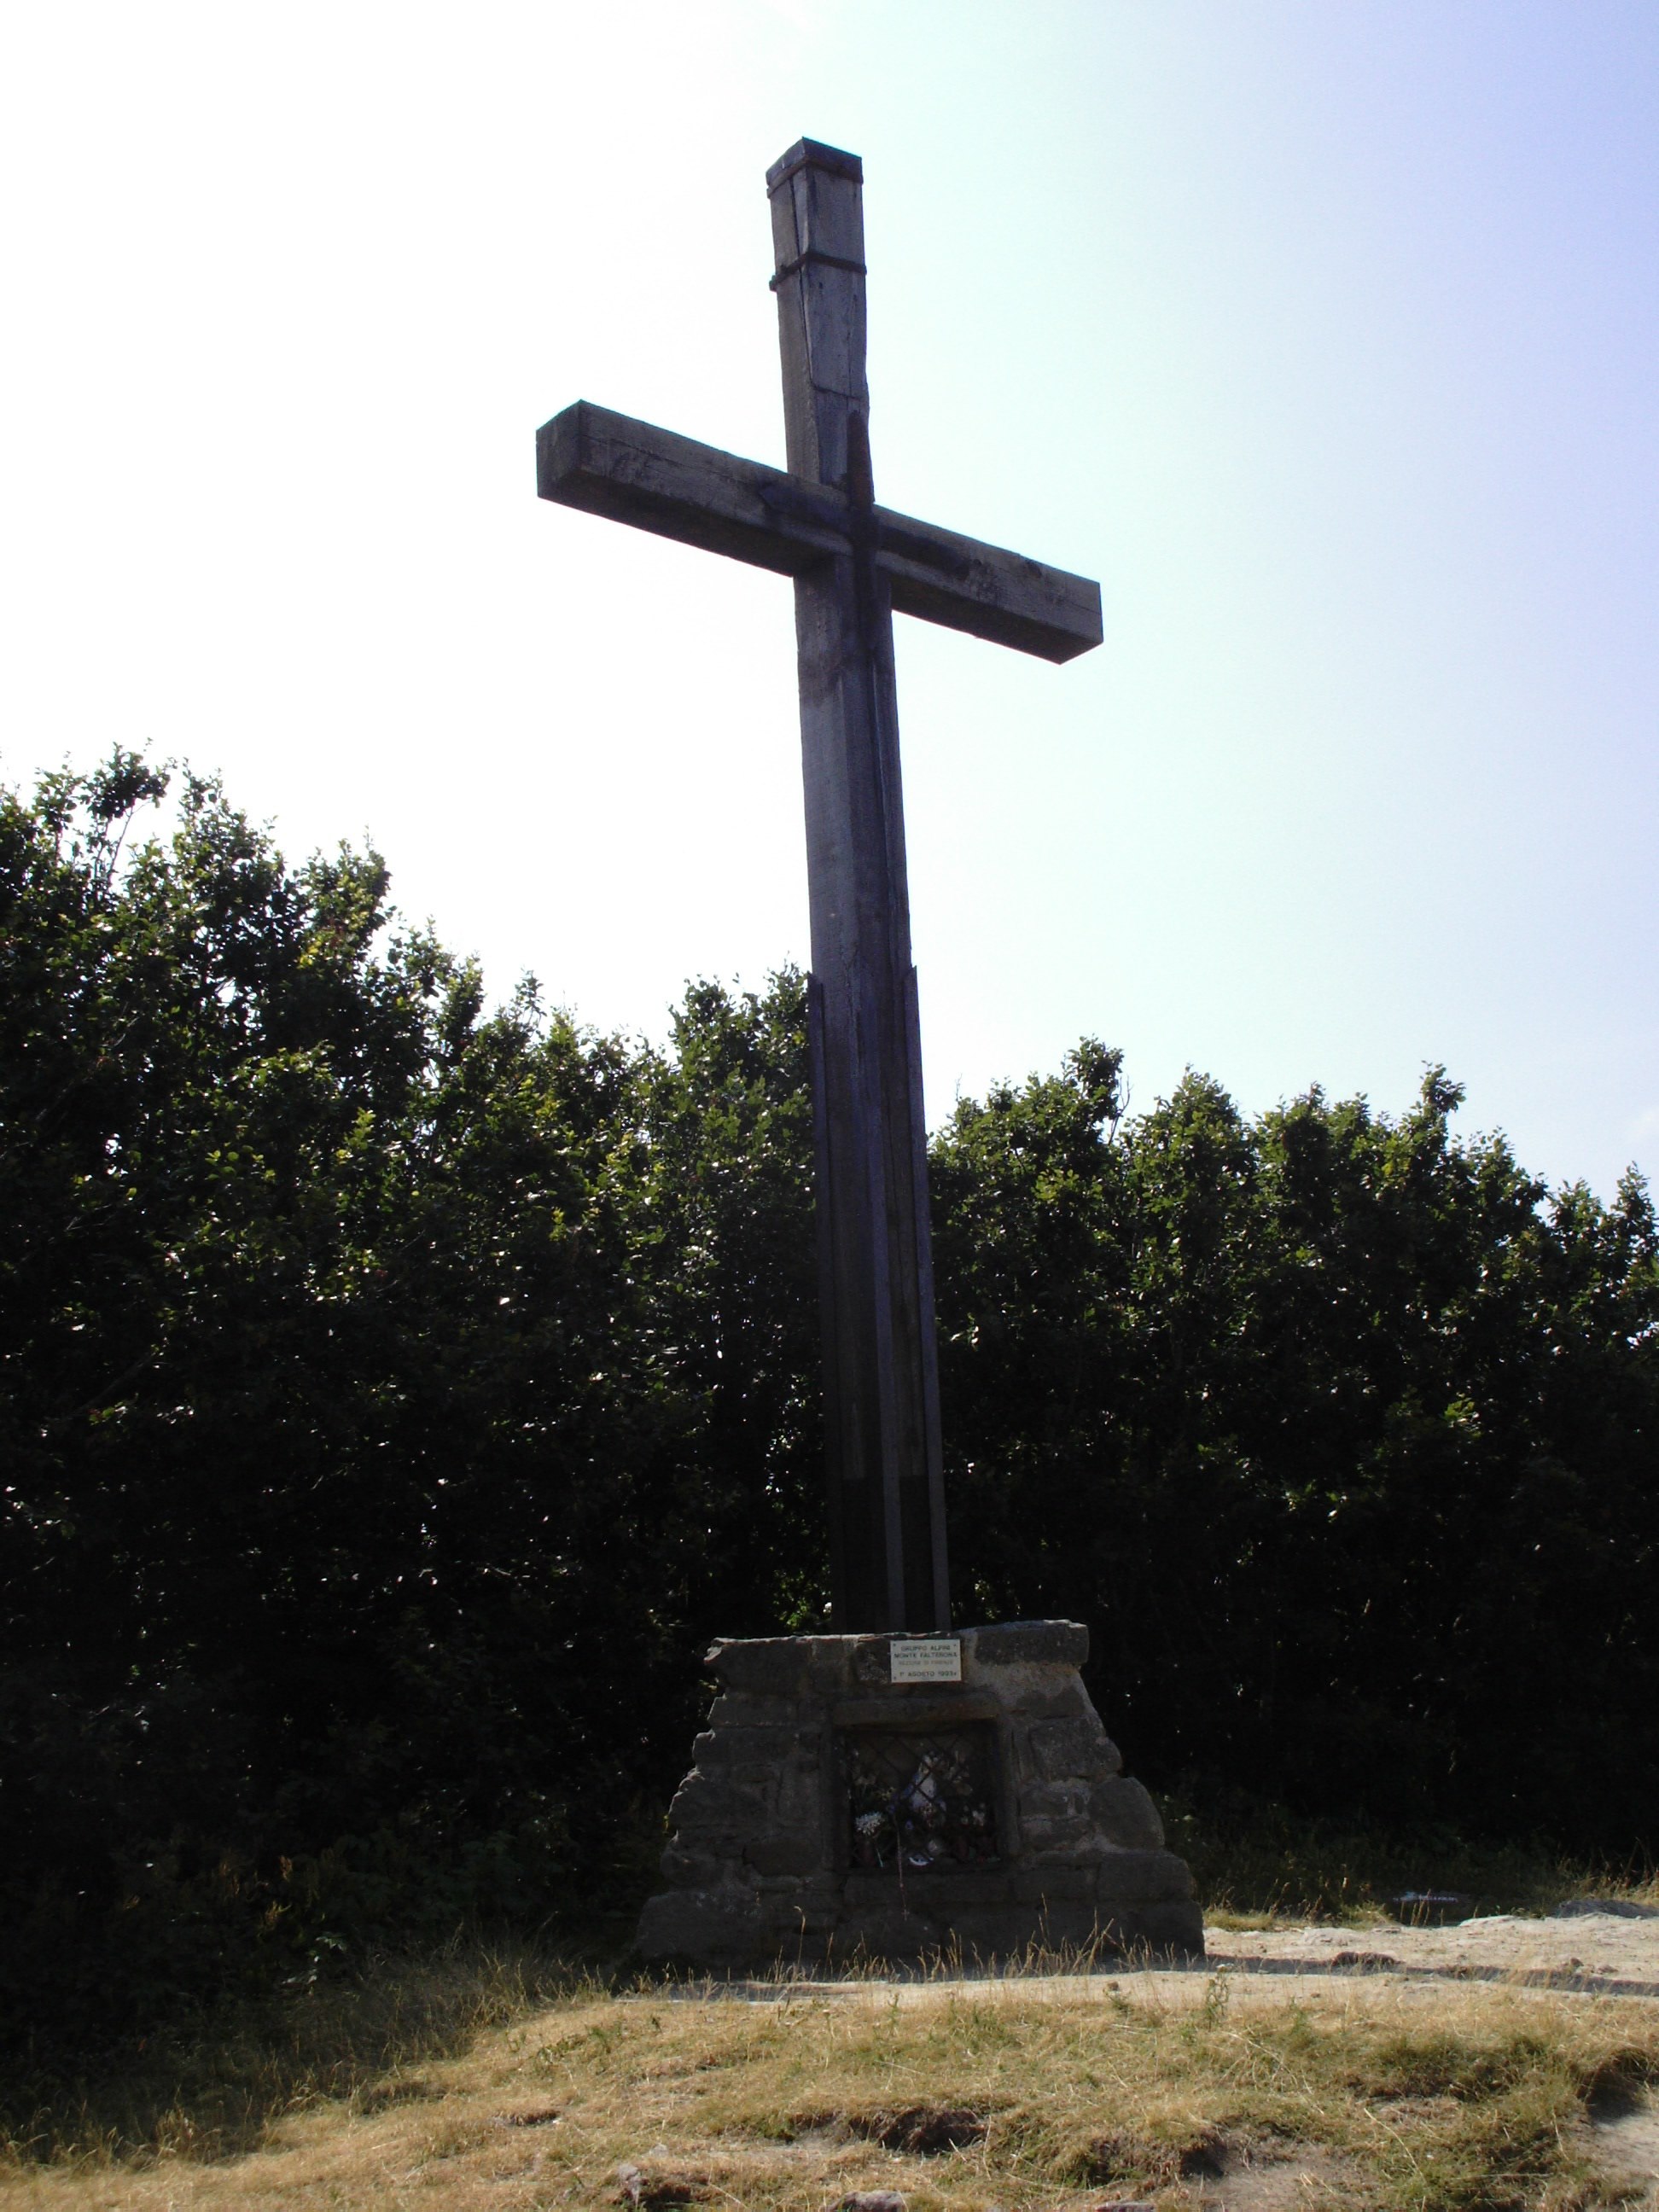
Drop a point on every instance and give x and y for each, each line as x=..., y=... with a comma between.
x=886, y=1485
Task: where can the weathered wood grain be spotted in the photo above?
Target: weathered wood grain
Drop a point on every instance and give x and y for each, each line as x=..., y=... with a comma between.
x=608, y=463
x=986, y=591
x=885, y=1474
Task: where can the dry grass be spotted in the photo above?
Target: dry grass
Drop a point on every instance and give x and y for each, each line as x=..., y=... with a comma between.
x=215, y=2086
x=1019, y=2093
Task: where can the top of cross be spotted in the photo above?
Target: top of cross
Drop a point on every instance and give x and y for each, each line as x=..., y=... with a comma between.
x=811, y=153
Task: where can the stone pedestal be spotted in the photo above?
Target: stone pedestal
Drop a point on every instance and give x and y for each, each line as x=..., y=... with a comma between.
x=832, y=1811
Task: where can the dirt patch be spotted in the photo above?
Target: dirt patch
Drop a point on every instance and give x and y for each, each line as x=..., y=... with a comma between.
x=1623, y=2138
x=1215, y=2171
x=1593, y=1948
x=662, y=2188
x=1203, y=2155
x=924, y=2130
x=1271, y=2179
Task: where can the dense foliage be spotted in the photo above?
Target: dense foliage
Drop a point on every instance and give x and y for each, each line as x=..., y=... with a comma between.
x=396, y=1395
x=1342, y=1434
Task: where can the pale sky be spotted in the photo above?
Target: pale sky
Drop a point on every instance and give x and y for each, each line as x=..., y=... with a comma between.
x=1322, y=332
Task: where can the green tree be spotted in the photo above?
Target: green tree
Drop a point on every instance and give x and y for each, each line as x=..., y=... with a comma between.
x=1339, y=1431
x=394, y=1395
x=397, y=1394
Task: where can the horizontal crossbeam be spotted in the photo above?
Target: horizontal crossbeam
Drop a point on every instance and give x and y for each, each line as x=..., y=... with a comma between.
x=630, y=471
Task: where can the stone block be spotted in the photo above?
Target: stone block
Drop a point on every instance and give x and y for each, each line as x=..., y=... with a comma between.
x=687, y=1803
x=868, y=1662
x=753, y=1870
x=725, y=1848
x=1059, y=1836
x=754, y=1778
x=733, y=1709
x=760, y=1666
x=1030, y=1643
x=788, y=1918
x=1035, y=1694
x=1162, y=1931
x=721, y=1924
x=1061, y=1924
x=996, y=1932
x=1126, y=1815
x=869, y=1892
x=890, y=1935
x=1129, y=1877
x=1080, y=1747
x=939, y=1705
x=1177, y=1930
x=800, y=1795
x=939, y=1894
x=767, y=1745
x=830, y=1664
x=1048, y=1800
x=1119, y=1928
x=710, y=1800
x=694, y=1870
x=785, y=1854
x=1058, y=1884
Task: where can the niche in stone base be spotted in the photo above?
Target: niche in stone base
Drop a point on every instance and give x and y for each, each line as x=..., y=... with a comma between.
x=920, y=1800
x=837, y=1809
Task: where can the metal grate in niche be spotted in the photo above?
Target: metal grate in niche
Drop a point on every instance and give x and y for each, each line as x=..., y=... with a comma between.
x=920, y=1799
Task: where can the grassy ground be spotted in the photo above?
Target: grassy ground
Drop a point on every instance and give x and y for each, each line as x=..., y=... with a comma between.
x=1023, y=2093
x=431, y=2079
x=215, y=2085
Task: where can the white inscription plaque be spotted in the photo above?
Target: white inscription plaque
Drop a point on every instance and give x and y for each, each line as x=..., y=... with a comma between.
x=928, y=1659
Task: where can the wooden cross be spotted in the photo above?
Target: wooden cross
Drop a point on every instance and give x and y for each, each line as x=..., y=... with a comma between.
x=853, y=564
